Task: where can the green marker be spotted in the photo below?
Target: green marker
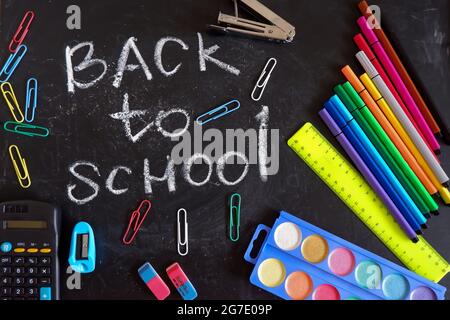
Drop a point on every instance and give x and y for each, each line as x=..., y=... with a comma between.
x=360, y=118
x=387, y=149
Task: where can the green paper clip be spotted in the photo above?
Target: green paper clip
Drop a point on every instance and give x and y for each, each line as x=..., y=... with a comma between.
x=235, y=216
x=26, y=129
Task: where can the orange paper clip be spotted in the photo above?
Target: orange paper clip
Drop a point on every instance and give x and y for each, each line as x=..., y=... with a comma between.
x=22, y=31
x=136, y=220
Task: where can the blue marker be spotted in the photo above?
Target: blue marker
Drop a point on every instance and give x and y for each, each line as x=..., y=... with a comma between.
x=414, y=210
x=377, y=172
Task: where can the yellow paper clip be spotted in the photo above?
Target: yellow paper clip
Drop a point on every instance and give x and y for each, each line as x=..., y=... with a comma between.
x=22, y=172
x=11, y=100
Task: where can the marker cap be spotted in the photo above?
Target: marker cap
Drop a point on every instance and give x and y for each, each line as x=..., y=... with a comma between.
x=363, y=6
x=370, y=86
x=363, y=46
x=353, y=95
x=367, y=31
x=331, y=124
x=345, y=98
x=366, y=64
x=341, y=109
x=331, y=109
x=353, y=79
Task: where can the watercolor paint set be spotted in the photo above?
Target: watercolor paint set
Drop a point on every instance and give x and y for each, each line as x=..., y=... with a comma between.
x=298, y=261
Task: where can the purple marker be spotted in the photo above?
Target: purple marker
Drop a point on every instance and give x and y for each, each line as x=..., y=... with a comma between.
x=365, y=171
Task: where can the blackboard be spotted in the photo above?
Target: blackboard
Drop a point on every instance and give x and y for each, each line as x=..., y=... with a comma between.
x=83, y=130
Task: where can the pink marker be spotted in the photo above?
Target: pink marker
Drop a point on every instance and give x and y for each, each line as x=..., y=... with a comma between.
x=154, y=281
x=396, y=79
x=364, y=46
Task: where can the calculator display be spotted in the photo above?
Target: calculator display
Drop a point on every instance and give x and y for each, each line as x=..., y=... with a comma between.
x=24, y=224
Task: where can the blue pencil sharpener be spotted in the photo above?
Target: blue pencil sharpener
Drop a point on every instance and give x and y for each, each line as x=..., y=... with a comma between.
x=82, y=248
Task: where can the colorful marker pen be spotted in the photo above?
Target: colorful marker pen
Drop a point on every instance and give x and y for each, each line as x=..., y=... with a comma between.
x=181, y=282
x=154, y=282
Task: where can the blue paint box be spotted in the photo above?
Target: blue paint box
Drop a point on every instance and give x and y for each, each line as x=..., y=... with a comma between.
x=298, y=261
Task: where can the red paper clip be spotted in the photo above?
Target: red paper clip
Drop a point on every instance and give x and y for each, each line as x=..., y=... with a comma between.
x=22, y=31
x=137, y=218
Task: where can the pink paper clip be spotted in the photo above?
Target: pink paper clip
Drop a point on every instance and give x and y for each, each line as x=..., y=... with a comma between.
x=136, y=220
x=22, y=31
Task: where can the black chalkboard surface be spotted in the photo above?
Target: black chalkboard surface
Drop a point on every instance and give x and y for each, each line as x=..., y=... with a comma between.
x=86, y=132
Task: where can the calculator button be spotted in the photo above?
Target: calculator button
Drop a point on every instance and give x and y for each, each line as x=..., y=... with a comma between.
x=6, y=247
x=18, y=292
x=5, y=260
x=19, y=270
x=6, y=281
x=45, y=281
x=19, y=250
x=31, y=271
x=19, y=261
x=5, y=292
x=5, y=270
x=46, y=250
x=45, y=260
x=31, y=281
x=31, y=260
x=45, y=271
x=45, y=293
x=19, y=281
x=31, y=292
x=32, y=250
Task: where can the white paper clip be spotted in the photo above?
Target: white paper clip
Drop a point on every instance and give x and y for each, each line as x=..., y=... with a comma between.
x=264, y=79
x=182, y=223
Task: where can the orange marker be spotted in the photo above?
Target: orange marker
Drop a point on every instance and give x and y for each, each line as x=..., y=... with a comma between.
x=388, y=128
x=370, y=86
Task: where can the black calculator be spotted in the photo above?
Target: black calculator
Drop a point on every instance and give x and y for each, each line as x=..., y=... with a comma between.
x=29, y=237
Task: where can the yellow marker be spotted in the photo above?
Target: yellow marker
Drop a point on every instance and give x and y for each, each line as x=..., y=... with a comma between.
x=11, y=101
x=22, y=172
x=19, y=250
x=46, y=250
x=32, y=250
x=350, y=187
x=376, y=95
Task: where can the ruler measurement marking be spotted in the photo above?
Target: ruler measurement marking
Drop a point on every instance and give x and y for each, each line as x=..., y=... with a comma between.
x=336, y=171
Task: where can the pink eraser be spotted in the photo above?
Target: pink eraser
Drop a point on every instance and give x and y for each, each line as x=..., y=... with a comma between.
x=154, y=282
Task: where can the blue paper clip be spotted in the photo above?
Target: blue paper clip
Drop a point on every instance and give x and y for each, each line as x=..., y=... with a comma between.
x=218, y=112
x=82, y=249
x=31, y=102
x=28, y=130
x=12, y=63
